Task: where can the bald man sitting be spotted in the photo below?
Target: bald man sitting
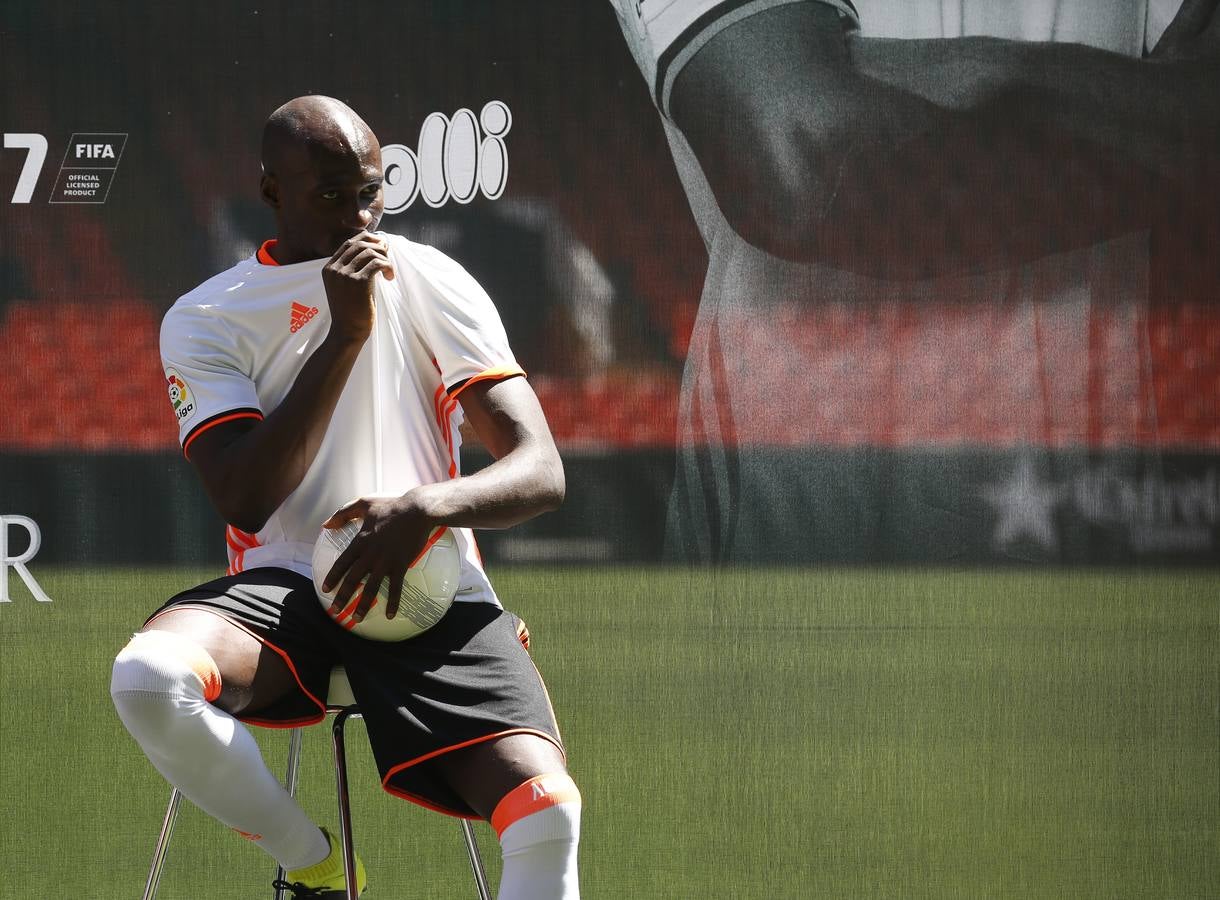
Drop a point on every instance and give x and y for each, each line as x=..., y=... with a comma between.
x=338, y=363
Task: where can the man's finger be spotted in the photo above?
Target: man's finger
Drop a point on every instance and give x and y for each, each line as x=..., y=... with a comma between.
x=394, y=595
x=368, y=594
x=343, y=562
x=346, y=247
x=349, y=251
x=377, y=264
x=349, y=587
x=354, y=510
x=357, y=263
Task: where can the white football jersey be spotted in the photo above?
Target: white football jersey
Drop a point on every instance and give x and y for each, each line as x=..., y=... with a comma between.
x=232, y=348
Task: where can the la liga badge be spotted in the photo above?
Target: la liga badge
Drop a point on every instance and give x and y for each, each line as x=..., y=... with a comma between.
x=181, y=396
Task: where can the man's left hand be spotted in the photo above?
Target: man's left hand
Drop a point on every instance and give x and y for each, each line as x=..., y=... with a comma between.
x=391, y=536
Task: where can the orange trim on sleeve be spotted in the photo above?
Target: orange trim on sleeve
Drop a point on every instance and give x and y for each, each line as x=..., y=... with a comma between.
x=264, y=253
x=229, y=418
x=498, y=374
x=539, y=793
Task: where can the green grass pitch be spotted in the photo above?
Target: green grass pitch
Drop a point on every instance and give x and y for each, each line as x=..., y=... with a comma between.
x=735, y=734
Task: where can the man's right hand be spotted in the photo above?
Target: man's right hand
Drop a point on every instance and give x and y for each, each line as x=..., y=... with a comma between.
x=348, y=279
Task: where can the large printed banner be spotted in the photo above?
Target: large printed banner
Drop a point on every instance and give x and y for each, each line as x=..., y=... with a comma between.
x=985, y=260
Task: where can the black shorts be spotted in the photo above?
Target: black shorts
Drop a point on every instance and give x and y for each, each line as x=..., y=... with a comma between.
x=467, y=679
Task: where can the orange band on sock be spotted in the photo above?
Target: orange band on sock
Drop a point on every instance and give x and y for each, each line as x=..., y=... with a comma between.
x=204, y=666
x=193, y=655
x=538, y=793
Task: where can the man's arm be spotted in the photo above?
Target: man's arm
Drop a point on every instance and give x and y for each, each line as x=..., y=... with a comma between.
x=915, y=158
x=525, y=480
x=248, y=469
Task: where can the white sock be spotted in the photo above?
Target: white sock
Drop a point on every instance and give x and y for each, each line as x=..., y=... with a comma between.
x=539, y=828
x=161, y=685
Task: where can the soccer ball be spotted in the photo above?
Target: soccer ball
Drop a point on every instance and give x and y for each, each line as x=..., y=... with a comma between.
x=428, y=587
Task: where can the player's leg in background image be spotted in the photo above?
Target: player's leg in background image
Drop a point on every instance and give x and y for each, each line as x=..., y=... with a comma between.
x=177, y=687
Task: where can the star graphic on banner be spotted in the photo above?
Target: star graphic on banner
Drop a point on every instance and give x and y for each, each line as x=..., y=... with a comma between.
x=1026, y=505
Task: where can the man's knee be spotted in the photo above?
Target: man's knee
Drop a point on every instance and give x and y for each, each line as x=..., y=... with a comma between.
x=538, y=824
x=160, y=674
x=555, y=791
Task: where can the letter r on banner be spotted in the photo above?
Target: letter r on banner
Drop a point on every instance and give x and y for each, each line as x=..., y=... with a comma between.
x=18, y=562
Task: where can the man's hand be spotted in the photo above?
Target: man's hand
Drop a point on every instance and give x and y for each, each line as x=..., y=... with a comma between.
x=525, y=480
x=348, y=279
x=392, y=536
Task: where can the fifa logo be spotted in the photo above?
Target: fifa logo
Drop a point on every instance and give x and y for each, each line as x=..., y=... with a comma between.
x=455, y=159
x=95, y=151
x=19, y=560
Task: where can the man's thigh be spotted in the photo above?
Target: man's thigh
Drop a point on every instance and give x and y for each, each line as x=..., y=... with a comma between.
x=269, y=638
x=252, y=676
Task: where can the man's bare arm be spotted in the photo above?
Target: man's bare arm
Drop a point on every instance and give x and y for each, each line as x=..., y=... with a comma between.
x=906, y=159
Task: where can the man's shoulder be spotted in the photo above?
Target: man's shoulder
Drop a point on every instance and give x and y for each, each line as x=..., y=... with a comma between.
x=201, y=308
x=214, y=289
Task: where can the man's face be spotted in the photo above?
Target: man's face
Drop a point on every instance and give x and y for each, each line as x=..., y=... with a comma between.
x=326, y=198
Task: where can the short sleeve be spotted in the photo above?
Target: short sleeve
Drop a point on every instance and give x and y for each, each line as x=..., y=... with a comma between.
x=456, y=320
x=663, y=37
x=207, y=384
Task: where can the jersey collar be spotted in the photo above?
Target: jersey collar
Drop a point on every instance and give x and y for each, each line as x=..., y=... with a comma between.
x=264, y=253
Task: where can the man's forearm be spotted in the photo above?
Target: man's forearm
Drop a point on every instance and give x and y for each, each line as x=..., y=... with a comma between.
x=517, y=487
x=910, y=159
x=1151, y=112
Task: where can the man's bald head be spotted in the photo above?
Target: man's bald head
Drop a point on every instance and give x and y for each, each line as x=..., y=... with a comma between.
x=312, y=126
x=322, y=176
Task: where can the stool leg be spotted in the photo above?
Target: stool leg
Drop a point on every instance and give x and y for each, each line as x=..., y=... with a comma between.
x=158, y=860
x=345, y=812
x=290, y=784
x=476, y=861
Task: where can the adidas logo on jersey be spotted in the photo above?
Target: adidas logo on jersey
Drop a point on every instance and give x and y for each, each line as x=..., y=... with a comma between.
x=301, y=315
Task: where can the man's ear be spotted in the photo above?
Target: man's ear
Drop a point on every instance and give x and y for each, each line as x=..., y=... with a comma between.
x=269, y=190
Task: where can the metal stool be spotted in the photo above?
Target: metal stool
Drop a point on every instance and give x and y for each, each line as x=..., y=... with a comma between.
x=342, y=704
